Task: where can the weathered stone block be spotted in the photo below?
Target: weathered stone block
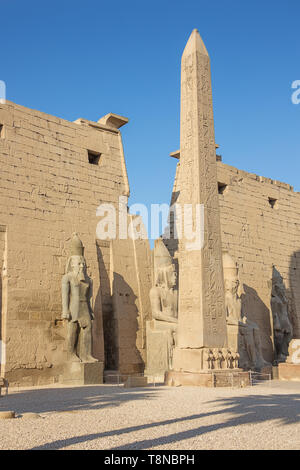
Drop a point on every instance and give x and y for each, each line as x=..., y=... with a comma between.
x=275, y=375
x=7, y=415
x=157, y=348
x=79, y=373
x=289, y=372
x=133, y=382
x=236, y=378
x=233, y=333
x=266, y=371
x=294, y=352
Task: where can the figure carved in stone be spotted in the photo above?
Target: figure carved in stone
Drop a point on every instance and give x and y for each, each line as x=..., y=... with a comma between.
x=283, y=330
x=236, y=360
x=207, y=360
x=245, y=330
x=164, y=297
x=212, y=359
x=218, y=358
x=76, y=304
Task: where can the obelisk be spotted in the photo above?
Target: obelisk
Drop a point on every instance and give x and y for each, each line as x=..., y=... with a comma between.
x=201, y=315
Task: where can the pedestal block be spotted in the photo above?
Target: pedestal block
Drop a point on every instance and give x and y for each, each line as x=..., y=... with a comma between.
x=158, y=349
x=288, y=371
x=214, y=378
x=134, y=382
x=275, y=373
x=82, y=373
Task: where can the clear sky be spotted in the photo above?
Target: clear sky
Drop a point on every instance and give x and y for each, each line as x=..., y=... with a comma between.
x=87, y=58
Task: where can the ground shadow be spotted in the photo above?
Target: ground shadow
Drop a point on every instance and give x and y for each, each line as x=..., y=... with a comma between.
x=245, y=410
x=47, y=400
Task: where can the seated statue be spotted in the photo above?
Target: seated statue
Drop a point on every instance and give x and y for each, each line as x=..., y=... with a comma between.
x=282, y=327
x=247, y=331
x=77, y=310
x=164, y=306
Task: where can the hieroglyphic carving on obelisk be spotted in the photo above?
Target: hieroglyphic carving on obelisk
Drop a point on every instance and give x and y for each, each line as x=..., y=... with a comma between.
x=201, y=318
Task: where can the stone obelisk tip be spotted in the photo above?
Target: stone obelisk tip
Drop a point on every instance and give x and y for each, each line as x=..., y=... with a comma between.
x=195, y=44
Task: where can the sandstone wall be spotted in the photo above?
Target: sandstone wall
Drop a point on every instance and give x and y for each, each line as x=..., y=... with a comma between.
x=130, y=285
x=260, y=220
x=260, y=224
x=48, y=189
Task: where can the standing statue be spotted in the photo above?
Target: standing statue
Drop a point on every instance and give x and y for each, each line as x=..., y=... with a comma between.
x=161, y=331
x=246, y=332
x=76, y=303
x=282, y=327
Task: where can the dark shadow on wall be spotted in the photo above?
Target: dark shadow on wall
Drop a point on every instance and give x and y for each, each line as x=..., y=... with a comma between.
x=257, y=312
x=171, y=240
x=293, y=293
x=281, y=304
x=109, y=324
x=236, y=411
x=126, y=316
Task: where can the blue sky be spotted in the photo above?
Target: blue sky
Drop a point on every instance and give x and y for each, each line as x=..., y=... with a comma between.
x=85, y=59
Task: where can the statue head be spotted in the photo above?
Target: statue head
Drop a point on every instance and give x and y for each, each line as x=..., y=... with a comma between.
x=165, y=273
x=76, y=263
x=231, y=274
x=166, y=277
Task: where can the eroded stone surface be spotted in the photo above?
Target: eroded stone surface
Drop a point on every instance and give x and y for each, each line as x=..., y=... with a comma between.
x=134, y=382
x=201, y=316
x=7, y=414
x=80, y=373
x=243, y=335
x=283, y=330
x=76, y=305
x=162, y=329
x=290, y=372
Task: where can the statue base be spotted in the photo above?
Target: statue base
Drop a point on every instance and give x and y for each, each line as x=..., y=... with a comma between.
x=266, y=371
x=82, y=373
x=210, y=378
x=205, y=359
x=275, y=373
x=287, y=371
x=158, y=354
x=135, y=381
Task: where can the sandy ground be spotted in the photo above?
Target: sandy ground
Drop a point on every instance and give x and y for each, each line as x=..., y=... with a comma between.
x=110, y=417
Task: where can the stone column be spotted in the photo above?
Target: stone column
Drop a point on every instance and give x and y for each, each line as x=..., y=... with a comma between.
x=201, y=317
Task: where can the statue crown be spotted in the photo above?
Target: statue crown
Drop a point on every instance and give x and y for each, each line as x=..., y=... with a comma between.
x=76, y=248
